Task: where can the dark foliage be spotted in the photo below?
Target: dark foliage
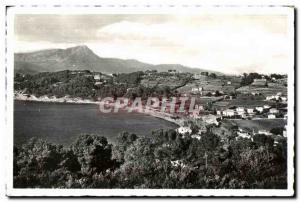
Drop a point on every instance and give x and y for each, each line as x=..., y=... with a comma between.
x=164, y=160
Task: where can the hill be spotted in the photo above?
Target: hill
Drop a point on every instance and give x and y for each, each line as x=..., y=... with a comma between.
x=82, y=58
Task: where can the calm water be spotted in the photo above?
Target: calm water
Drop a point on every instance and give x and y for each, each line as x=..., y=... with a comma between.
x=62, y=123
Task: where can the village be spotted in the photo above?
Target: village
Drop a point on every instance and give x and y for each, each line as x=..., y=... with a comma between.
x=219, y=102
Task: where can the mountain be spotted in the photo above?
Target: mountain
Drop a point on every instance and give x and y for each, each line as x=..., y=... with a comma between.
x=83, y=58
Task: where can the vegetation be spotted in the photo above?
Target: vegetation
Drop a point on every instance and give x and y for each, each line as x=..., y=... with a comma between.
x=82, y=84
x=164, y=160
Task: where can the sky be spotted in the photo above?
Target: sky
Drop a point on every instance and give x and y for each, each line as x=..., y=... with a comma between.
x=223, y=42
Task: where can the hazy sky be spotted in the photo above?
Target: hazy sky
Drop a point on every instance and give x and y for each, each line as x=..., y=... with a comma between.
x=227, y=43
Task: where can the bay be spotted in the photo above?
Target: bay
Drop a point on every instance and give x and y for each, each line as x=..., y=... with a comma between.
x=62, y=123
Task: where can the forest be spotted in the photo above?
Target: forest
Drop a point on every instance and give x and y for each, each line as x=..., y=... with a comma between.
x=166, y=159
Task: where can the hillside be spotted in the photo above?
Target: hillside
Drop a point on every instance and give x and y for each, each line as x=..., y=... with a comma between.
x=82, y=58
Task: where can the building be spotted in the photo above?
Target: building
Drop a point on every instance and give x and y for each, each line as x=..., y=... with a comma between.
x=244, y=135
x=259, y=109
x=210, y=119
x=184, y=130
x=196, y=136
x=240, y=109
x=228, y=112
x=274, y=111
x=271, y=116
x=250, y=111
x=264, y=132
x=97, y=77
x=197, y=90
x=259, y=82
x=98, y=83
x=284, y=99
x=267, y=106
x=284, y=134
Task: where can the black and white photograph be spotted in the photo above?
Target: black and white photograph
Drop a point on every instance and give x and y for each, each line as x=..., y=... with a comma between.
x=150, y=101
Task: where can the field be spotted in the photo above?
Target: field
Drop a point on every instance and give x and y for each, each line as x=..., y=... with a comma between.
x=264, y=124
x=272, y=89
x=213, y=84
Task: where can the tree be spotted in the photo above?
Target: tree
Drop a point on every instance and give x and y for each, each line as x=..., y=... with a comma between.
x=277, y=131
x=213, y=75
x=94, y=153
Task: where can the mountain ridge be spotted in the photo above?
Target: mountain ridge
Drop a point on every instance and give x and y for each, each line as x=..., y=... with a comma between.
x=83, y=58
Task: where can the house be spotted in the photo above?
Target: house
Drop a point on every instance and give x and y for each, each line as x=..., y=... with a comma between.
x=267, y=106
x=178, y=163
x=285, y=116
x=275, y=143
x=284, y=99
x=228, y=112
x=259, y=82
x=97, y=77
x=259, y=109
x=240, y=111
x=228, y=82
x=197, y=90
x=98, y=83
x=284, y=133
x=196, y=136
x=219, y=112
x=184, y=130
x=243, y=116
x=250, y=111
x=274, y=111
x=199, y=107
x=273, y=97
x=244, y=135
x=271, y=116
x=198, y=76
x=265, y=132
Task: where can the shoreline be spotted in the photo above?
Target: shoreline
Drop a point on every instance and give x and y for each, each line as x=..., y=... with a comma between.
x=67, y=100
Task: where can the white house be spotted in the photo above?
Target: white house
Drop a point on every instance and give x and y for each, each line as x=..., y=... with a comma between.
x=228, y=112
x=184, y=130
x=240, y=109
x=275, y=143
x=271, y=116
x=197, y=90
x=284, y=99
x=97, y=83
x=267, y=106
x=250, y=111
x=284, y=133
x=97, y=77
x=274, y=111
x=259, y=109
x=265, y=132
x=228, y=82
x=196, y=136
x=210, y=119
x=244, y=135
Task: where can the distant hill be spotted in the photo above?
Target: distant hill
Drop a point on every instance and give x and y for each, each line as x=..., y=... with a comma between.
x=83, y=58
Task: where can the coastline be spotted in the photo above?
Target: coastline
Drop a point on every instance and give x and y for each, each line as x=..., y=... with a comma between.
x=68, y=100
